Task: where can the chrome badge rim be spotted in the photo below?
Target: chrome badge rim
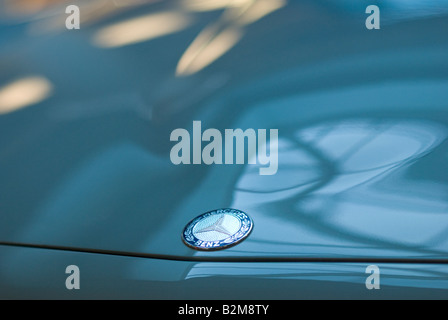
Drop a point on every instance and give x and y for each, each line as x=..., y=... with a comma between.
x=217, y=229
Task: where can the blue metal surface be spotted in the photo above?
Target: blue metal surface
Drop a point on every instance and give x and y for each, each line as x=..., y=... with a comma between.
x=362, y=118
x=119, y=277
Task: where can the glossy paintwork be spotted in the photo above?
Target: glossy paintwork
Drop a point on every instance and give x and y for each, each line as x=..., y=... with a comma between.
x=117, y=277
x=362, y=119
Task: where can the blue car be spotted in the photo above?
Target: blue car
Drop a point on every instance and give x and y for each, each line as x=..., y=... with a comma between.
x=224, y=149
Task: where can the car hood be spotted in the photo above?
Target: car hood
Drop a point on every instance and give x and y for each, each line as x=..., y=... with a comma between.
x=362, y=119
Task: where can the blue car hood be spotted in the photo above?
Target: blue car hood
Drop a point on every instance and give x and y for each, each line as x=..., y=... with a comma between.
x=362, y=119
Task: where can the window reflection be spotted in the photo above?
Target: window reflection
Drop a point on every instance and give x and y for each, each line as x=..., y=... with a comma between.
x=140, y=29
x=222, y=35
x=212, y=42
x=24, y=92
x=348, y=182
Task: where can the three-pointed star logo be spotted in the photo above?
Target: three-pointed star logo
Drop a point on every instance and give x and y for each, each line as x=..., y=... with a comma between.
x=217, y=226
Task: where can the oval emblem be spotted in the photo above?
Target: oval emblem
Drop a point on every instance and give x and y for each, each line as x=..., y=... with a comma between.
x=217, y=229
